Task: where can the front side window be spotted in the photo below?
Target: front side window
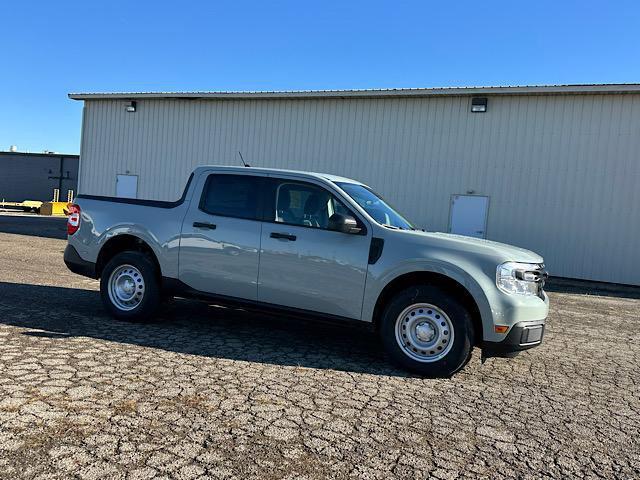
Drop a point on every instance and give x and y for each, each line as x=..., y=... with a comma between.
x=375, y=206
x=306, y=205
x=232, y=196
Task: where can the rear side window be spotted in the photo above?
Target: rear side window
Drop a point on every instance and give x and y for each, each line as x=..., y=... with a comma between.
x=232, y=196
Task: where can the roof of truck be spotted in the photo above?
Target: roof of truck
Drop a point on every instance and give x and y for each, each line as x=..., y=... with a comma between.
x=322, y=176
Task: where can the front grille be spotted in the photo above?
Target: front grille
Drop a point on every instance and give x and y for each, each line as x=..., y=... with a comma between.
x=542, y=275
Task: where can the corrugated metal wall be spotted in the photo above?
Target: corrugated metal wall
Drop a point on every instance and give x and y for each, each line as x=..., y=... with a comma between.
x=562, y=172
x=26, y=176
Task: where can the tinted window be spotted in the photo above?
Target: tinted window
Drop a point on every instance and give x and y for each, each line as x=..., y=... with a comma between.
x=232, y=196
x=305, y=205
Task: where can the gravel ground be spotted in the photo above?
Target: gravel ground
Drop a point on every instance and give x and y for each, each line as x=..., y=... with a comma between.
x=207, y=392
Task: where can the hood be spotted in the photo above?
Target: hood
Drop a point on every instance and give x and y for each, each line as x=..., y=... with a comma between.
x=501, y=251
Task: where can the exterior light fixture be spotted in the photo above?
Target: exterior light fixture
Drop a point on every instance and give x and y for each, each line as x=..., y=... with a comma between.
x=131, y=106
x=478, y=105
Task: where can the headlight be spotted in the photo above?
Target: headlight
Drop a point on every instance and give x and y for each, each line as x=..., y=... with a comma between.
x=519, y=278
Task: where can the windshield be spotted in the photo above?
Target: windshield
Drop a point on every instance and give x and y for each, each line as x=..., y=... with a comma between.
x=375, y=206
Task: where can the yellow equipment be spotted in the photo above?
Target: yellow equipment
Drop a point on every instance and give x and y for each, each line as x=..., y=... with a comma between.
x=54, y=208
x=27, y=205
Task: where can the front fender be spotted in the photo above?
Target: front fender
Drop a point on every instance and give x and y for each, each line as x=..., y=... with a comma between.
x=469, y=278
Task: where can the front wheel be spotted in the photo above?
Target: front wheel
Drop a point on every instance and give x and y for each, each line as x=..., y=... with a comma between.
x=427, y=330
x=129, y=286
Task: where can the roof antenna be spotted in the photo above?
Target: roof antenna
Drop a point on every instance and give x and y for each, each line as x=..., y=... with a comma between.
x=243, y=162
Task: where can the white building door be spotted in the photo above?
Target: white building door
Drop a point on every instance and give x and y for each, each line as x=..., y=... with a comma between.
x=469, y=215
x=127, y=186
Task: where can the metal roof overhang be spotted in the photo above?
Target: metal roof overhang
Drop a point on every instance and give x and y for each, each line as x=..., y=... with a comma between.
x=381, y=93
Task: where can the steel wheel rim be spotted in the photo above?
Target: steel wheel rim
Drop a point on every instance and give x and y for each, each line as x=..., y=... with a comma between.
x=424, y=332
x=126, y=287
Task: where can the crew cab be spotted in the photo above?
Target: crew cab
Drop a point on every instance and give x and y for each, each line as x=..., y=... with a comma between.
x=312, y=245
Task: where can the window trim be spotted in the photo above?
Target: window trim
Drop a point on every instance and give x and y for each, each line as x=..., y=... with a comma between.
x=269, y=205
x=260, y=185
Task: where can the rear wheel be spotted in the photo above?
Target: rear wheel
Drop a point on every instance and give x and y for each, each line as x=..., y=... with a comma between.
x=427, y=330
x=129, y=286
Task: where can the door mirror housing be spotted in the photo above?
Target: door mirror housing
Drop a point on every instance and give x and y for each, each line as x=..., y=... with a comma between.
x=344, y=224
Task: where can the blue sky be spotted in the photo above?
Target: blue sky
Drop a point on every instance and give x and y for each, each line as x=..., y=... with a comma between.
x=49, y=49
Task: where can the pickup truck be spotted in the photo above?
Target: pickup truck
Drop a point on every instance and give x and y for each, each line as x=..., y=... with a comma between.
x=312, y=245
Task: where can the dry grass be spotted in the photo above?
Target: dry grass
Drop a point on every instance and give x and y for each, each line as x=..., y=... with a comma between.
x=62, y=430
x=125, y=407
x=11, y=408
x=193, y=401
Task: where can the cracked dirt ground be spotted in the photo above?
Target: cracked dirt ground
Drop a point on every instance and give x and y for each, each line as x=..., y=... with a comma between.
x=206, y=392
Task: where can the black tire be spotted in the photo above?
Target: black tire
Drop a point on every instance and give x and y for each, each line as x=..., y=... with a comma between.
x=145, y=309
x=459, y=318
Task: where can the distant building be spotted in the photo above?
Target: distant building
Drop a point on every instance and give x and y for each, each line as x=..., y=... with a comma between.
x=33, y=176
x=554, y=169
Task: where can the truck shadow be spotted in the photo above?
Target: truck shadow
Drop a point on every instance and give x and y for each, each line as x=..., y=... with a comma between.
x=195, y=328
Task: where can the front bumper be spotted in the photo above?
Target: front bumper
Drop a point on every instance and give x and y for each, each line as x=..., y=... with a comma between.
x=522, y=336
x=76, y=264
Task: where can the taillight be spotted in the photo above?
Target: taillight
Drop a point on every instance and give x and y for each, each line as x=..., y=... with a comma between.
x=73, y=222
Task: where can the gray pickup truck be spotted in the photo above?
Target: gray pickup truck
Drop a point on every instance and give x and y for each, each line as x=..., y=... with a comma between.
x=314, y=245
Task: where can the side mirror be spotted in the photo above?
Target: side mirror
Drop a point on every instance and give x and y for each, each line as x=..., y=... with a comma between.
x=343, y=223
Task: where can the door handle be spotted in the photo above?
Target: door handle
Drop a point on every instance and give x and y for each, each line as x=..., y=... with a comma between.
x=284, y=236
x=210, y=226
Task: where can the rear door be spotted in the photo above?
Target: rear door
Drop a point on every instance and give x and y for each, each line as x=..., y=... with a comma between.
x=220, y=240
x=303, y=264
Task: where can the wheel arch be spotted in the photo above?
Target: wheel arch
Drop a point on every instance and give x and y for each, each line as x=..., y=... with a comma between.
x=410, y=279
x=121, y=243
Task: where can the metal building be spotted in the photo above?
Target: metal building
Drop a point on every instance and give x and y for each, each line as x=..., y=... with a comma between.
x=555, y=169
x=34, y=176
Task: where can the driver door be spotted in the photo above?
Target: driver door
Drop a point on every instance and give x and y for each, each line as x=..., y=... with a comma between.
x=303, y=264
